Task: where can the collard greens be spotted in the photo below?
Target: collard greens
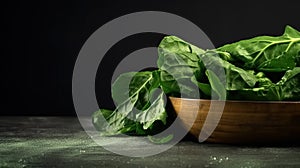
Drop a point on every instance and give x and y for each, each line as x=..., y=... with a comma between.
x=265, y=68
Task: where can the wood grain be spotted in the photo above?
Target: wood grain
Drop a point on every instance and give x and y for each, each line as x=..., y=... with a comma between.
x=243, y=122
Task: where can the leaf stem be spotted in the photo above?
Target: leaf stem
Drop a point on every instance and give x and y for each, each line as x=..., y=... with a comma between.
x=291, y=41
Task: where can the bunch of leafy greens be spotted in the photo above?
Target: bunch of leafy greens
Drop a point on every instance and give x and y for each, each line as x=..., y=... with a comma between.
x=261, y=68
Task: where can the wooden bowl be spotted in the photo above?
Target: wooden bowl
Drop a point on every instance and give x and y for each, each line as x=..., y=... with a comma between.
x=242, y=122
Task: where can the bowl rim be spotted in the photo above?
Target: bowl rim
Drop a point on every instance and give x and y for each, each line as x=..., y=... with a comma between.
x=237, y=101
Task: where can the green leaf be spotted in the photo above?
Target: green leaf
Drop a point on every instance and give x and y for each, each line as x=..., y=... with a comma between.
x=267, y=53
x=171, y=44
x=236, y=78
x=137, y=113
x=204, y=87
x=156, y=112
x=178, y=62
x=290, y=84
x=144, y=83
x=288, y=88
x=120, y=87
x=161, y=140
x=99, y=118
x=216, y=84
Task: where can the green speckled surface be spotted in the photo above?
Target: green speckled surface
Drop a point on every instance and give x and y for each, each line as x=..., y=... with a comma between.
x=61, y=142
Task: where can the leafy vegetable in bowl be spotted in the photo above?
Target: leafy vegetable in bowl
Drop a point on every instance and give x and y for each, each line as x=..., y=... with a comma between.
x=264, y=68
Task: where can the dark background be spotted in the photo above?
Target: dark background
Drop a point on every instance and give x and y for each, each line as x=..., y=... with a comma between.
x=42, y=40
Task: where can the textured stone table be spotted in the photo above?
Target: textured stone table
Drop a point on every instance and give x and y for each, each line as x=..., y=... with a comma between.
x=61, y=142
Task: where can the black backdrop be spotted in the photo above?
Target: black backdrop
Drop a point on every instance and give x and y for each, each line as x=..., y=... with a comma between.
x=42, y=40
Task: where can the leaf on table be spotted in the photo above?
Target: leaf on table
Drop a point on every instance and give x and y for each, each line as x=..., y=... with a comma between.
x=137, y=112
